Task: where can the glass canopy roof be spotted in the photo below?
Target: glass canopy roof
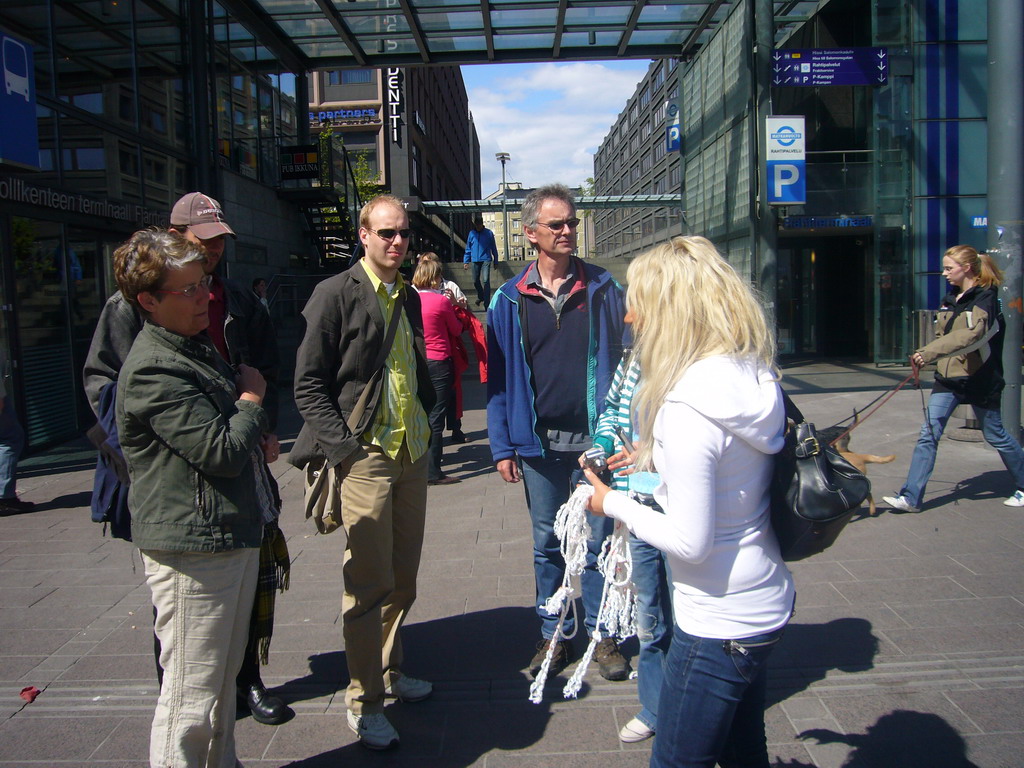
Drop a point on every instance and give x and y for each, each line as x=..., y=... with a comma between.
x=335, y=34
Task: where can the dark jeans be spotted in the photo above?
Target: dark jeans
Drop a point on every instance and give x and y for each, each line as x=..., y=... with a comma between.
x=482, y=281
x=442, y=376
x=548, y=482
x=712, y=703
x=12, y=442
x=653, y=625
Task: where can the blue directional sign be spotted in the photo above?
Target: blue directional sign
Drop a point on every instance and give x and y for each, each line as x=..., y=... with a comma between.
x=812, y=67
x=19, y=135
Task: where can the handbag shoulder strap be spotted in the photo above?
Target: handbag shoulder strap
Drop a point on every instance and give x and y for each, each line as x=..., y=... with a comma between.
x=382, y=356
x=792, y=412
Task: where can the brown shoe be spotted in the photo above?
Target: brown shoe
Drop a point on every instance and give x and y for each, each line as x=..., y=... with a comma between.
x=444, y=480
x=558, y=662
x=611, y=663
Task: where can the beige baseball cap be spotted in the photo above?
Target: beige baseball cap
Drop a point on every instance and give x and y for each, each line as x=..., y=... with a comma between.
x=201, y=214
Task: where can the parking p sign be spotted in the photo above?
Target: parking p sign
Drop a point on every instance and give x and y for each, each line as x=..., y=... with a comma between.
x=784, y=143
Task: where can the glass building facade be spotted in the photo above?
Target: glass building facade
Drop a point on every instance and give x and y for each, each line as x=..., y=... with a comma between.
x=136, y=103
x=895, y=171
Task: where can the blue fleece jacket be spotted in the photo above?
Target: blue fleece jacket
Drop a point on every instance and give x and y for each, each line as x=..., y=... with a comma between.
x=511, y=416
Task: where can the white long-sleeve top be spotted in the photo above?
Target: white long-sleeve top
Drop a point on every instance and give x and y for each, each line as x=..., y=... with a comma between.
x=714, y=441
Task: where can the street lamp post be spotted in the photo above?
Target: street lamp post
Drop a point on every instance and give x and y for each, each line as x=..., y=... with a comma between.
x=504, y=157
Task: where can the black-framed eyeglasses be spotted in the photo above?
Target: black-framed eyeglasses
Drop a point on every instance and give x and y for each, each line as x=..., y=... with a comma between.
x=189, y=291
x=391, y=234
x=558, y=226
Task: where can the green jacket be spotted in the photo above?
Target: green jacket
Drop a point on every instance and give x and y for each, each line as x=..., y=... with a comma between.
x=188, y=442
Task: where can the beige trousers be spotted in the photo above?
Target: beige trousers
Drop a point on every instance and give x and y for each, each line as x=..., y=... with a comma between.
x=203, y=603
x=383, y=508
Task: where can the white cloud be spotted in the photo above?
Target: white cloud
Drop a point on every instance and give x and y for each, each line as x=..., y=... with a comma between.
x=549, y=117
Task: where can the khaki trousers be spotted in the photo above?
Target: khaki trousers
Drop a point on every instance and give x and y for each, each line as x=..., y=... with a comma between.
x=383, y=509
x=203, y=603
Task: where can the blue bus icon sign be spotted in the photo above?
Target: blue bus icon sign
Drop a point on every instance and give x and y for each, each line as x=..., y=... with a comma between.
x=16, y=75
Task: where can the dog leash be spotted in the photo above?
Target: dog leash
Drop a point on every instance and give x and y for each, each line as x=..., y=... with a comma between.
x=915, y=375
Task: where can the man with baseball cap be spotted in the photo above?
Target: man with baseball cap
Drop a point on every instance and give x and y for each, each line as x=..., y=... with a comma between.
x=241, y=331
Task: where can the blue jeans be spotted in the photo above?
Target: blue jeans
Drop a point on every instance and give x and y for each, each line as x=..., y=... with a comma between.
x=482, y=281
x=12, y=442
x=712, y=703
x=549, y=481
x=442, y=377
x=940, y=407
x=654, y=624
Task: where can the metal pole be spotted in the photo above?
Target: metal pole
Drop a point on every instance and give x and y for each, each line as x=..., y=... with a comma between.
x=1006, y=184
x=504, y=157
x=765, y=231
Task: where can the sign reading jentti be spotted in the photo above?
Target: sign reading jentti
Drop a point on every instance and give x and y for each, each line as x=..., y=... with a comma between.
x=811, y=67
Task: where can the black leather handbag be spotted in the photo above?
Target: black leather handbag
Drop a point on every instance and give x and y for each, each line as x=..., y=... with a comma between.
x=815, y=491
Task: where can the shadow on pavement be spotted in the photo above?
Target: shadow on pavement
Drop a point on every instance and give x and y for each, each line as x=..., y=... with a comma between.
x=480, y=697
x=807, y=652
x=902, y=738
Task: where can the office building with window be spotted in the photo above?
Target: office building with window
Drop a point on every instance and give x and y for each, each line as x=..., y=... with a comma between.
x=409, y=131
x=895, y=167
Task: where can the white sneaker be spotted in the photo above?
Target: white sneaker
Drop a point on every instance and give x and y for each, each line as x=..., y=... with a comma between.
x=1017, y=500
x=408, y=689
x=635, y=731
x=900, y=502
x=374, y=730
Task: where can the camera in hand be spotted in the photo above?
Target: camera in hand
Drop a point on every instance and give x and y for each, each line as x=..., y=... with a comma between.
x=595, y=461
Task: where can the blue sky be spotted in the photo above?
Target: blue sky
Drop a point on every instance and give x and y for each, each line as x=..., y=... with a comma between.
x=549, y=117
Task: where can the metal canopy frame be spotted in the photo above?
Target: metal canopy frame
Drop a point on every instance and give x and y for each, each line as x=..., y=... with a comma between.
x=306, y=35
x=340, y=34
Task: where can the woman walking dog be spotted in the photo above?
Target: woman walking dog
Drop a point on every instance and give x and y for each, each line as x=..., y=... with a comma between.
x=969, y=354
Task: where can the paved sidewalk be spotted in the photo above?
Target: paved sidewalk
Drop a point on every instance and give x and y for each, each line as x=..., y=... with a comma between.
x=906, y=651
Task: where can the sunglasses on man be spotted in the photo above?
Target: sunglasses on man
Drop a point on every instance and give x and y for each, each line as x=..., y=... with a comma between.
x=391, y=234
x=558, y=226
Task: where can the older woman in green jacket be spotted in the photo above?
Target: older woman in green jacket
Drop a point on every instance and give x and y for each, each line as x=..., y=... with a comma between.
x=190, y=429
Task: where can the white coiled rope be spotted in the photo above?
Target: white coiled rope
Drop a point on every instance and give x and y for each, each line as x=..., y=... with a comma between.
x=617, y=613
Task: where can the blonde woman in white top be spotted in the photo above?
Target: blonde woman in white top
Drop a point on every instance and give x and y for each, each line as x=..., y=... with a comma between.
x=710, y=417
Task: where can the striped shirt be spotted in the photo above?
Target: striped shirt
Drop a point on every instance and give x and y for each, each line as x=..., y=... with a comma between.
x=400, y=416
x=616, y=414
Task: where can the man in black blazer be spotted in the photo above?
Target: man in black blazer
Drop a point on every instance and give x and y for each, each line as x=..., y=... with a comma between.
x=381, y=462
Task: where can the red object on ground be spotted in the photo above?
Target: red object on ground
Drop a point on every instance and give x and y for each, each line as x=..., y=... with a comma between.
x=29, y=693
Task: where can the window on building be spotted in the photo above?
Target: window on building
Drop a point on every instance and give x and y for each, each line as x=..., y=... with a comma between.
x=154, y=119
x=645, y=97
x=128, y=158
x=350, y=76
x=90, y=102
x=155, y=169
x=659, y=75
x=634, y=113
x=84, y=159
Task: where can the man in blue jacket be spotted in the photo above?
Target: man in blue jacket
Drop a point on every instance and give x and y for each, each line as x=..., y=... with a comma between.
x=554, y=339
x=480, y=252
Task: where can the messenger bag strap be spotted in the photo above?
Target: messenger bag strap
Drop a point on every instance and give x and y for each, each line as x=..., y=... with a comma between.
x=792, y=412
x=378, y=371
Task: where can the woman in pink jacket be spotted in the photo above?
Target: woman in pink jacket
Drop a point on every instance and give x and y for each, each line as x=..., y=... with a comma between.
x=441, y=328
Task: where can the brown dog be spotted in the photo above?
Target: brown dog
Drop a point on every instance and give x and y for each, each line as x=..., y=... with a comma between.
x=859, y=460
